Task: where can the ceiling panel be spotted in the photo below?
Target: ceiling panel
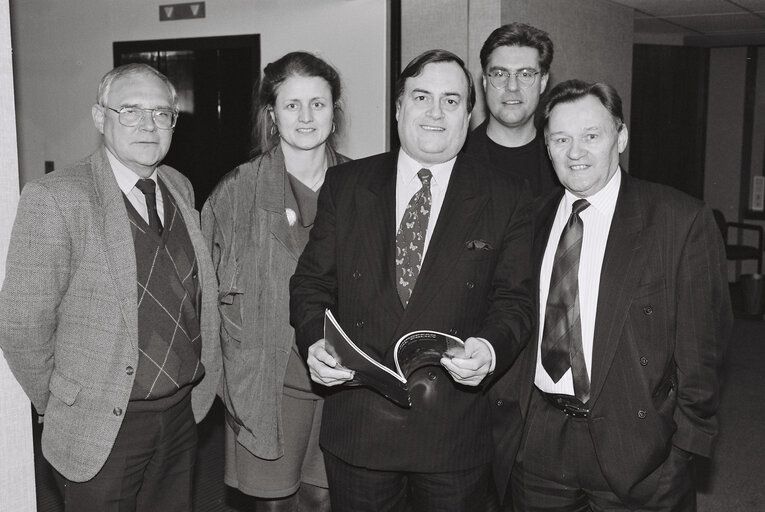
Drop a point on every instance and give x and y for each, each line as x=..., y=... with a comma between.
x=681, y=7
x=710, y=19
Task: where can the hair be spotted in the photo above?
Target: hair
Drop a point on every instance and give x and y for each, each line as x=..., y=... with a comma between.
x=415, y=67
x=135, y=68
x=573, y=90
x=519, y=34
x=274, y=75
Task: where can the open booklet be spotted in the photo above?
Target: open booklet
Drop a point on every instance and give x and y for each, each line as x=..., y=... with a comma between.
x=412, y=351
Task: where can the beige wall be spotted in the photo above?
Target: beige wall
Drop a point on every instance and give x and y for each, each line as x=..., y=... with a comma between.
x=61, y=50
x=725, y=109
x=592, y=38
x=17, y=478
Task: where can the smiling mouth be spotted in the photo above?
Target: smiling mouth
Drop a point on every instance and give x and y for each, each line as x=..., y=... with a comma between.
x=430, y=128
x=512, y=102
x=306, y=130
x=578, y=167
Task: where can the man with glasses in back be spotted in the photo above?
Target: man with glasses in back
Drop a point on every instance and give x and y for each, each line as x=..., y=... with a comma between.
x=108, y=311
x=516, y=62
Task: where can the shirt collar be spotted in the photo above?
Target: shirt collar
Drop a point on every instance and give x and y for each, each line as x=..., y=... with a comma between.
x=604, y=200
x=408, y=168
x=126, y=179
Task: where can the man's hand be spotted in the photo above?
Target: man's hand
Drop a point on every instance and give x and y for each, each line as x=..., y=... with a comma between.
x=324, y=368
x=471, y=369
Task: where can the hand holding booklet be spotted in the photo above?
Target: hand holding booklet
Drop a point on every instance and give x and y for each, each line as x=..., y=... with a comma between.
x=412, y=351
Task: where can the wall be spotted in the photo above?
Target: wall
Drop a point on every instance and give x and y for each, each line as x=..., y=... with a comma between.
x=61, y=50
x=725, y=108
x=592, y=38
x=17, y=477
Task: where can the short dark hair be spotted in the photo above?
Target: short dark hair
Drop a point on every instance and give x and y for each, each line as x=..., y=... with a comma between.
x=519, y=34
x=415, y=67
x=274, y=75
x=573, y=90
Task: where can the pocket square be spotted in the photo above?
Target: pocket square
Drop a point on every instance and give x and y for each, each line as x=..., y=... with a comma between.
x=478, y=245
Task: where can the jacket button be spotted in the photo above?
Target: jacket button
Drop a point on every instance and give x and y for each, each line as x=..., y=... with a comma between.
x=356, y=274
x=641, y=414
x=117, y=411
x=129, y=370
x=643, y=361
x=648, y=310
x=500, y=402
x=470, y=285
x=359, y=323
x=432, y=375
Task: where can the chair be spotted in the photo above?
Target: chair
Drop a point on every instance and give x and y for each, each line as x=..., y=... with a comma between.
x=740, y=252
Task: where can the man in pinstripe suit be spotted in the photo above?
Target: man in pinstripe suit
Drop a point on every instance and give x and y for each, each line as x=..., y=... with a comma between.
x=621, y=389
x=474, y=282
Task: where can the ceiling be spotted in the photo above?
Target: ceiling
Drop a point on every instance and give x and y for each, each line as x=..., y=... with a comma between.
x=704, y=22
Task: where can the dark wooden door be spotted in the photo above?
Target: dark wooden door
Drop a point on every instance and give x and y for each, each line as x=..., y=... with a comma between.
x=668, y=118
x=215, y=77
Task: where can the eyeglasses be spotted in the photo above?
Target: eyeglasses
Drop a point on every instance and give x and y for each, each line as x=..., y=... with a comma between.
x=499, y=78
x=164, y=118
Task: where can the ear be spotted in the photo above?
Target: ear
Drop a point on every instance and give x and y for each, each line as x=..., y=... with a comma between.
x=271, y=113
x=483, y=82
x=398, y=109
x=543, y=81
x=623, y=137
x=97, y=112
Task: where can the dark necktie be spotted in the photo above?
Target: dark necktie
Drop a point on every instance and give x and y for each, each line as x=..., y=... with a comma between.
x=147, y=186
x=410, y=238
x=562, y=336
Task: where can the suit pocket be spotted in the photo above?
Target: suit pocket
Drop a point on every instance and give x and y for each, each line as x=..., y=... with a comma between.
x=64, y=389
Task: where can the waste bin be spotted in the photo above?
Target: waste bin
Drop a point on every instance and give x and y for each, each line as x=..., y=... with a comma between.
x=752, y=289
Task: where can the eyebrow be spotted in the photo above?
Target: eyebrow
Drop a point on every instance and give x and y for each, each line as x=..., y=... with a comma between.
x=502, y=68
x=136, y=105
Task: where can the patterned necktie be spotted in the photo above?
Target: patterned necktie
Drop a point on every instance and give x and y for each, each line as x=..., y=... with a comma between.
x=562, y=337
x=147, y=186
x=410, y=238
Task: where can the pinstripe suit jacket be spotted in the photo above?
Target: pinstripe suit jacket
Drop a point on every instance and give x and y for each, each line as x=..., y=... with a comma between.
x=663, y=317
x=68, y=309
x=349, y=266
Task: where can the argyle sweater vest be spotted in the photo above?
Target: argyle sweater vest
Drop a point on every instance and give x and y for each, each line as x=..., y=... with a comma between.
x=169, y=341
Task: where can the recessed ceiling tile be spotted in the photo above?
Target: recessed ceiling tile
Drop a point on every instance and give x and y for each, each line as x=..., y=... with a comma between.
x=657, y=26
x=661, y=8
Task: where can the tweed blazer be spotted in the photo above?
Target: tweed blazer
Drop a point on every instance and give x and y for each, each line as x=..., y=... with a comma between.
x=255, y=251
x=69, y=310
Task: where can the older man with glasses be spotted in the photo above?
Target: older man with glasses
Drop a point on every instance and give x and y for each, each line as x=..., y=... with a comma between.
x=108, y=311
x=516, y=62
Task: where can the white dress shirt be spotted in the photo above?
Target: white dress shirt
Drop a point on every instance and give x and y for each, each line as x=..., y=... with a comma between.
x=126, y=180
x=408, y=183
x=596, y=220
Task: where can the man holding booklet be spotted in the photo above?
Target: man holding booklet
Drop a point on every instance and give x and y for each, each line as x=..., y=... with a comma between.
x=416, y=239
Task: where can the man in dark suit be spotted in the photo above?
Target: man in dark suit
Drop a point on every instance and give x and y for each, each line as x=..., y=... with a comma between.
x=620, y=385
x=416, y=239
x=108, y=314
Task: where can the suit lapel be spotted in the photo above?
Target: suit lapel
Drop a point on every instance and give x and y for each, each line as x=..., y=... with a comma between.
x=119, y=246
x=463, y=203
x=271, y=195
x=376, y=206
x=622, y=264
